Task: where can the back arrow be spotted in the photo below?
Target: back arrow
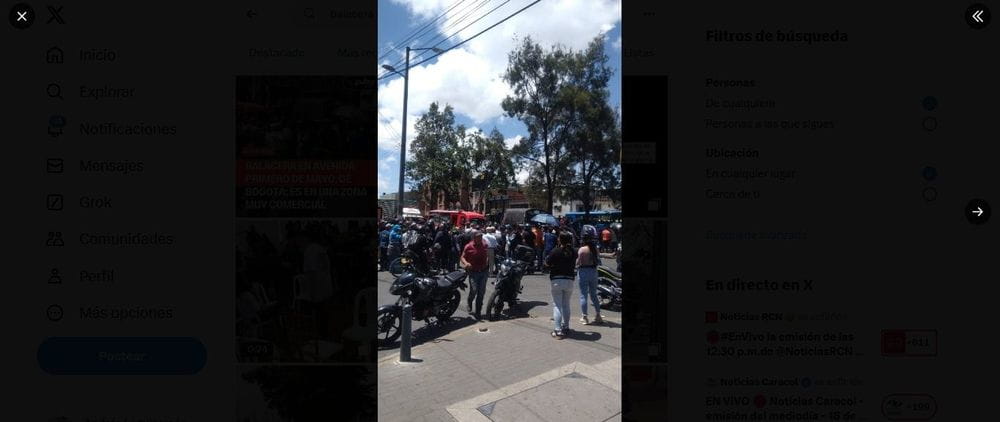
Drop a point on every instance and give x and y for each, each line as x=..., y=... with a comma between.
x=978, y=212
x=977, y=16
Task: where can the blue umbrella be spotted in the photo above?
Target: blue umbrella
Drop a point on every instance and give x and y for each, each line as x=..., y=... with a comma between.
x=545, y=219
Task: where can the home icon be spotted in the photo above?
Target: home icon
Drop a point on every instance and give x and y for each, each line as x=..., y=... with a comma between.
x=54, y=55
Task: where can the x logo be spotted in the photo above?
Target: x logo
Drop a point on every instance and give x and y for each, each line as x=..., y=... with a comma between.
x=22, y=16
x=54, y=15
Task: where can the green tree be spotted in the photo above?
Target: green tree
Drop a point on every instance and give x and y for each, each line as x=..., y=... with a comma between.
x=434, y=147
x=488, y=163
x=561, y=96
x=536, y=78
x=534, y=187
x=593, y=135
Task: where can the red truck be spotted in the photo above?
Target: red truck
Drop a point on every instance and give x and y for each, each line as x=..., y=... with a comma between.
x=458, y=218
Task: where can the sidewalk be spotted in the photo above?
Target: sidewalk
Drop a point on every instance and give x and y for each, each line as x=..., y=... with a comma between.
x=512, y=371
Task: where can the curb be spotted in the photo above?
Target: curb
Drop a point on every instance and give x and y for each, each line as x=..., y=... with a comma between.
x=607, y=373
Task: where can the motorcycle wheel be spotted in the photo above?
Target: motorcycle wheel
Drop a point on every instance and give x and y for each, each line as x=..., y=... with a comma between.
x=606, y=300
x=450, y=306
x=396, y=267
x=494, y=306
x=390, y=326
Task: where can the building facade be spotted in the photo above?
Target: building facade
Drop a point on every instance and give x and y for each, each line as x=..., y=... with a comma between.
x=561, y=206
x=497, y=200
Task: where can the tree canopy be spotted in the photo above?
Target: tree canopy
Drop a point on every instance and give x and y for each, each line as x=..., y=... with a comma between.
x=561, y=96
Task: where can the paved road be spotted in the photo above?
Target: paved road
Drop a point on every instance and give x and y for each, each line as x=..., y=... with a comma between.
x=509, y=372
x=536, y=298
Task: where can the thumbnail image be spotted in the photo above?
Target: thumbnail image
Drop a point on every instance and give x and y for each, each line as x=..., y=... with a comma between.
x=301, y=293
x=303, y=146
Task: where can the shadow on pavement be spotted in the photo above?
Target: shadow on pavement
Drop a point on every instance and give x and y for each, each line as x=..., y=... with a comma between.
x=430, y=333
x=527, y=305
x=522, y=311
x=608, y=324
x=583, y=335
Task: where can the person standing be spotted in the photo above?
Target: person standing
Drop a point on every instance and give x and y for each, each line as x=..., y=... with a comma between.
x=491, y=247
x=586, y=263
x=606, y=239
x=420, y=244
x=550, y=240
x=528, y=239
x=456, y=250
x=475, y=261
x=395, y=244
x=501, y=247
x=513, y=240
x=383, y=248
x=539, y=242
x=561, y=262
x=443, y=247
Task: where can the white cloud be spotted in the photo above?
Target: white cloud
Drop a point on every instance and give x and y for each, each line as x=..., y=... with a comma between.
x=384, y=187
x=426, y=9
x=390, y=159
x=522, y=176
x=617, y=43
x=510, y=142
x=468, y=77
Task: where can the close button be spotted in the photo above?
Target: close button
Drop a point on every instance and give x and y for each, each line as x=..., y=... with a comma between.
x=121, y=355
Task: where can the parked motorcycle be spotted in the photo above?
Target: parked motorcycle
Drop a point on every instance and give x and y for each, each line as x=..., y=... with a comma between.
x=508, y=283
x=608, y=273
x=436, y=297
x=609, y=288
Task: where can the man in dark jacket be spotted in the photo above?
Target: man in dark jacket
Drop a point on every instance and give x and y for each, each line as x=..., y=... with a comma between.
x=420, y=243
x=443, y=246
x=501, y=248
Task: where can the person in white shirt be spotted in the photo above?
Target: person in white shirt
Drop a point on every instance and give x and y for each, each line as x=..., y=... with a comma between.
x=491, y=247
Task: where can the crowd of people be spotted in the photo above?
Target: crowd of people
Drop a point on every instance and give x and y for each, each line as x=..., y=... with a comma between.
x=565, y=251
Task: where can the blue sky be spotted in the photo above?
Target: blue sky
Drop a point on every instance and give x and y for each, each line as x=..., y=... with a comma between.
x=468, y=77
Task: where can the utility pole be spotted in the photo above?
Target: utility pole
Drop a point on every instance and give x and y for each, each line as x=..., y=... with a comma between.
x=406, y=93
x=402, y=143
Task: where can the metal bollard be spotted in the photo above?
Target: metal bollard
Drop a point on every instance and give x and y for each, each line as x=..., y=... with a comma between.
x=404, y=342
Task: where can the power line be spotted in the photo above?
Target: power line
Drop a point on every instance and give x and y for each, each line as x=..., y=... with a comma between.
x=415, y=32
x=478, y=5
x=444, y=31
x=391, y=46
x=429, y=28
x=388, y=125
x=470, y=38
x=463, y=28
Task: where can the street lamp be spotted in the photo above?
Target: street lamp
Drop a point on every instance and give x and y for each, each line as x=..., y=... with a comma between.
x=402, y=143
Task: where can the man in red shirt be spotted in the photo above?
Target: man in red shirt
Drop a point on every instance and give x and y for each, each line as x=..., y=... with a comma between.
x=475, y=261
x=539, y=245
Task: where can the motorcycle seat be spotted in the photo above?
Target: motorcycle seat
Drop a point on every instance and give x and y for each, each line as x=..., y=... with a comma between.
x=443, y=282
x=453, y=277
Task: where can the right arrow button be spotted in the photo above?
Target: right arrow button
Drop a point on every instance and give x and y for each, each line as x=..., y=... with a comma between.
x=978, y=211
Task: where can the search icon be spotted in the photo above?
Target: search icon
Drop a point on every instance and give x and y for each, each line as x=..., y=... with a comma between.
x=54, y=91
